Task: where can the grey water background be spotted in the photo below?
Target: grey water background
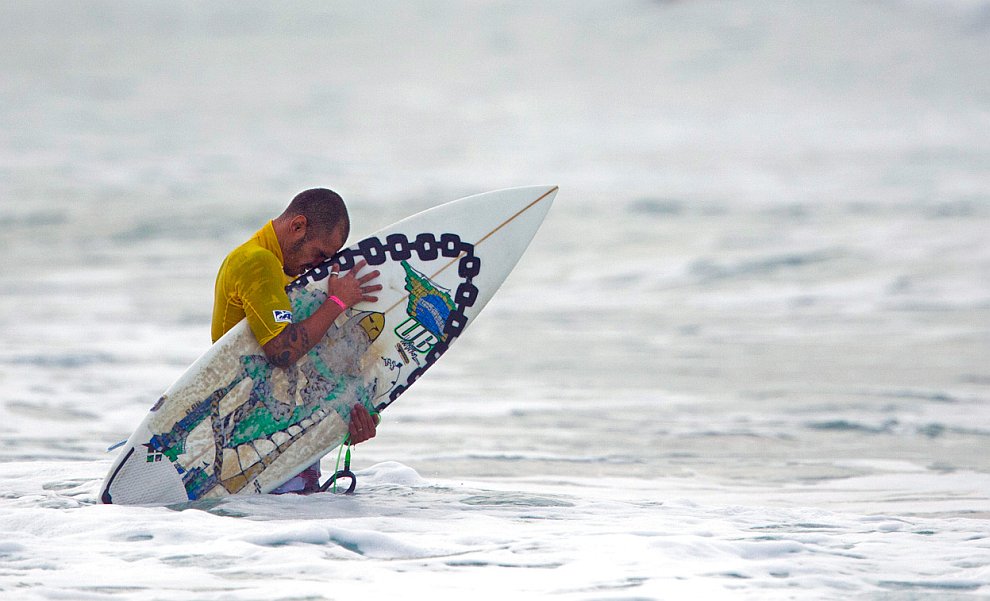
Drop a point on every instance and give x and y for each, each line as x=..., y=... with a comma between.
x=767, y=270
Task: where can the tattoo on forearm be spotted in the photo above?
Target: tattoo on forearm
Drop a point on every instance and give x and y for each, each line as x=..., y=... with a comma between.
x=291, y=344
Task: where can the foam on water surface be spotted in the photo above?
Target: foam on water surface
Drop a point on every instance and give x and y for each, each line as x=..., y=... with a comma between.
x=531, y=537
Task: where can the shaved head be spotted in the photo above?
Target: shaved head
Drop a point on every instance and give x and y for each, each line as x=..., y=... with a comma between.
x=323, y=209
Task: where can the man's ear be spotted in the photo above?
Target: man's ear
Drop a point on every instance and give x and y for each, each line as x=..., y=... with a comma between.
x=298, y=225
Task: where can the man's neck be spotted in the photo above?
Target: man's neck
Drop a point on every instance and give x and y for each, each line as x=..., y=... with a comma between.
x=281, y=227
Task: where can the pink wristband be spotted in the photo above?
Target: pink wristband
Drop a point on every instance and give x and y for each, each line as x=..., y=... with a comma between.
x=339, y=302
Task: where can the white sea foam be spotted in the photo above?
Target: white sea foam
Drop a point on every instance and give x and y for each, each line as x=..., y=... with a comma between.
x=534, y=536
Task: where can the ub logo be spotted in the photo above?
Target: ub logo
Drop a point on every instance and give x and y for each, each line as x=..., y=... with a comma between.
x=428, y=308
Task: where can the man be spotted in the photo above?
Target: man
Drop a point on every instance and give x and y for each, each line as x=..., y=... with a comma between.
x=251, y=285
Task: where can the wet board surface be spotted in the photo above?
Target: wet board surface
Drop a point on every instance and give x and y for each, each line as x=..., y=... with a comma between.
x=234, y=424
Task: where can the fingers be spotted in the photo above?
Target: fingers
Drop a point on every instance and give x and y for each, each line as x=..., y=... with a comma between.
x=362, y=426
x=354, y=271
x=369, y=276
x=357, y=268
x=366, y=294
x=353, y=288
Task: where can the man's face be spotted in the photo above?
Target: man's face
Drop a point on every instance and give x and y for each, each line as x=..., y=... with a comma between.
x=312, y=249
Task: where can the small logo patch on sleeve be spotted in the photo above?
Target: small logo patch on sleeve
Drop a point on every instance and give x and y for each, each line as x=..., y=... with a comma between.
x=282, y=316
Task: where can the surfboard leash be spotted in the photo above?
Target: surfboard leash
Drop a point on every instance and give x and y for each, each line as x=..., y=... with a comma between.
x=346, y=472
x=341, y=473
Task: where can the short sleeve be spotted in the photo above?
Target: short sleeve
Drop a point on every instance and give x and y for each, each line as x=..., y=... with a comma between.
x=259, y=281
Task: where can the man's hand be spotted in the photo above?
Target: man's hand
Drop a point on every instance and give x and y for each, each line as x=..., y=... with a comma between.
x=297, y=338
x=352, y=289
x=363, y=426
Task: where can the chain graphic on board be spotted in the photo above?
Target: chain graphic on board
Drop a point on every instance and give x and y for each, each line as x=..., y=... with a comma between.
x=435, y=316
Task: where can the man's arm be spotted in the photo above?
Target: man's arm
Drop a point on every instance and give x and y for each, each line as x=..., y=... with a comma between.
x=298, y=338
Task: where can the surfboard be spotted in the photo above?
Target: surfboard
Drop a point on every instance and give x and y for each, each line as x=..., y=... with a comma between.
x=234, y=424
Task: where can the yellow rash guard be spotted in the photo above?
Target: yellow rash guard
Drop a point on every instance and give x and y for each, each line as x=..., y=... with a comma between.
x=251, y=284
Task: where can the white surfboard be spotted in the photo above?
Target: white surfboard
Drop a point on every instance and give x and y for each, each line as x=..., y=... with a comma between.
x=234, y=424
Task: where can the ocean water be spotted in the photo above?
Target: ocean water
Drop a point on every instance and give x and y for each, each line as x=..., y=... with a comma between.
x=746, y=357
